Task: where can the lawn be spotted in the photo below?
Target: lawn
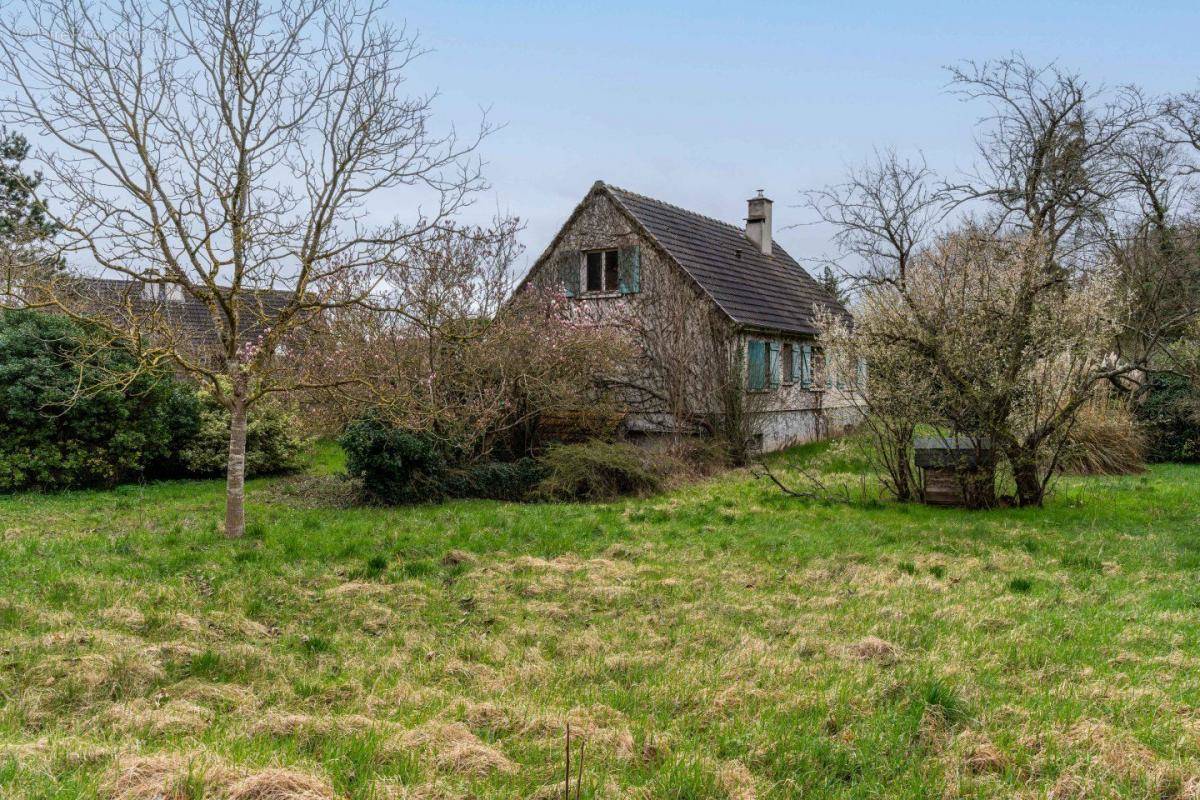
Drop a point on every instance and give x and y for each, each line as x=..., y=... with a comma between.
x=718, y=641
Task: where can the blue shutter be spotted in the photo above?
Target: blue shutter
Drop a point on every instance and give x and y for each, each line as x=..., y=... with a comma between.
x=774, y=363
x=862, y=374
x=829, y=370
x=756, y=366
x=629, y=269
x=806, y=366
x=568, y=272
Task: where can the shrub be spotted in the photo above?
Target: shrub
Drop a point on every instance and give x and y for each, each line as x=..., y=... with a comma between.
x=596, y=471
x=1104, y=440
x=395, y=465
x=75, y=411
x=496, y=480
x=272, y=445
x=398, y=466
x=1170, y=417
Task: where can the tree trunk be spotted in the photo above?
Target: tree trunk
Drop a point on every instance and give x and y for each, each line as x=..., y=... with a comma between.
x=1029, y=481
x=235, y=476
x=903, y=477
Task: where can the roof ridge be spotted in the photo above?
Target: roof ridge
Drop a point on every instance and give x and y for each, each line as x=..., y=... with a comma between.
x=678, y=208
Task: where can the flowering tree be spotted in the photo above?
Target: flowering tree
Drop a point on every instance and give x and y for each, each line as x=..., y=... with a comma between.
x=218, y=149
x=450, y=353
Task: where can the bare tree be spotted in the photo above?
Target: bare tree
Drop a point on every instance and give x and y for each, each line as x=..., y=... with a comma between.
x=1181, y=113
x=1047, y=149
x=220, y=148
x=1152, y=248
x=883, y=214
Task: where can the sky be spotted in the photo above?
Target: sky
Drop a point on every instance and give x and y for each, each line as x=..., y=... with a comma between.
x=702, y=103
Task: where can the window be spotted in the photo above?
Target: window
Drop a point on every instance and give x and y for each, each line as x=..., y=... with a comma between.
x=789, y=363
x=603, y=271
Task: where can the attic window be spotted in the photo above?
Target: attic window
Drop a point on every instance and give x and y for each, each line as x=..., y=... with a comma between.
x=603, y=271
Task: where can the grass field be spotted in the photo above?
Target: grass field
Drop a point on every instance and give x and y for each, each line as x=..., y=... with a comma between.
x=719, y=641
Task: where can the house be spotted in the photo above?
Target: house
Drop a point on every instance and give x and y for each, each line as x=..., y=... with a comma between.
x=726, y=320
x=166, y=310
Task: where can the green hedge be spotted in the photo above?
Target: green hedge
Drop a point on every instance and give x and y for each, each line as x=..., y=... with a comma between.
x=66, y=417
x=401, y=467
x=71, y=415
x=1169, y=414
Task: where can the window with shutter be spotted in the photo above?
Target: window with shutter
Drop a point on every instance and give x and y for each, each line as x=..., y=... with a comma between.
x=630, y=260
x=862, y=374
x=601, y=271
x=787, y=356
x=756, y=365
x=806, y=366
x=773, y=350
x=568, y=272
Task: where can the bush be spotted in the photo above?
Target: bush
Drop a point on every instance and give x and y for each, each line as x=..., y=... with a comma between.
x=1169, y=415
x=272, y=446
x=396, y=466
x=65, y=421
x=1104, y=440
x=597, y=471
x=496, y=480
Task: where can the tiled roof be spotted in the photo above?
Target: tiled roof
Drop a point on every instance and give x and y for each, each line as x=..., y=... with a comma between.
x=186, y=314
x=756, y=290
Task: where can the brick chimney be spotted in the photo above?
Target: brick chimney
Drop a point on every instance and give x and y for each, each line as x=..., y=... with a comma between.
x=758, y=222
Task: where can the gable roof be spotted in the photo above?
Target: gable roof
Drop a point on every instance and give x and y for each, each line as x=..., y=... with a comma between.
x=755, y=290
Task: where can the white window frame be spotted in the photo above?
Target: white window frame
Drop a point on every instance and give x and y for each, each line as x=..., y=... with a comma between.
x=583, y=272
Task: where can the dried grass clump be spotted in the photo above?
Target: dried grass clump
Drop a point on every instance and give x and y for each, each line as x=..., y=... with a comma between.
x=219, y=696
x=280, y=784
x=125, y=616
x=455, y=749
x=979, y=754
x=180, y=777
x=872, y=648
x=85, y=680
x=487, y=717
x=1105, y=439
x=736, y=781
x=602, y=727
x=176, y=717
x=277, y=723
x=1116, y=753
x=163, y=777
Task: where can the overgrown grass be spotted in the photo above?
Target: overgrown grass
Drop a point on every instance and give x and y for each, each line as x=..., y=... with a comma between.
x=721, y=641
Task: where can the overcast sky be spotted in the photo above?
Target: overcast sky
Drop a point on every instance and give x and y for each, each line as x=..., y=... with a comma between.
x=701, y=103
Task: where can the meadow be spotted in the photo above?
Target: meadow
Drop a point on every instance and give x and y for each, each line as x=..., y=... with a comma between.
x=720, y=640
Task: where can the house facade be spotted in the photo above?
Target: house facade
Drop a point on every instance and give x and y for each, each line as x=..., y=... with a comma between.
x=725, y=321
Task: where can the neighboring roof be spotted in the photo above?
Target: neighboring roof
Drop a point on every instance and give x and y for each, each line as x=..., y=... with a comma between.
x=186, y=313
x=756, y=290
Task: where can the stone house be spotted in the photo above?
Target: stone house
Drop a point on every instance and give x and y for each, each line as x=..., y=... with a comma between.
x=726, y=321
